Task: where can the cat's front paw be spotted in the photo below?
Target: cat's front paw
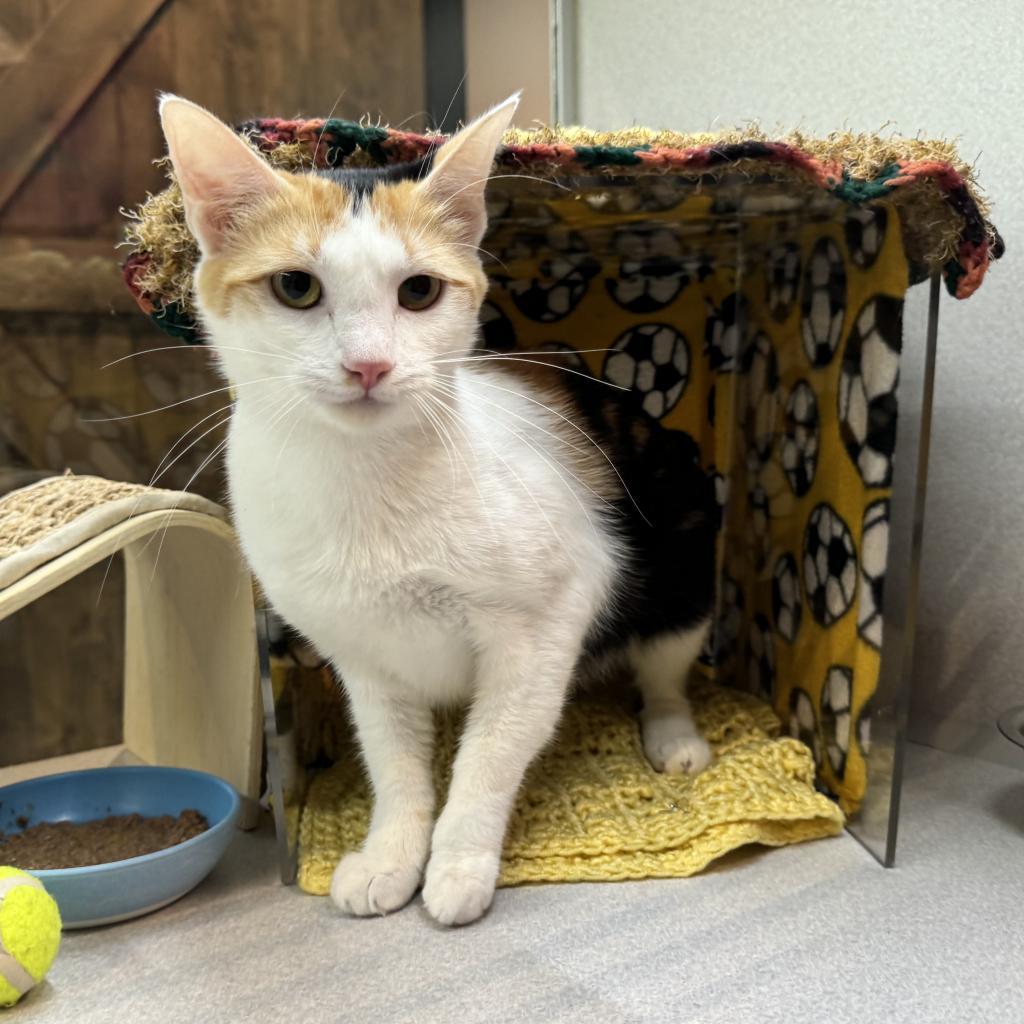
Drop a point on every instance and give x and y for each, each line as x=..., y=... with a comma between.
x=459, y=889
x=672, y=746
x=365, y=884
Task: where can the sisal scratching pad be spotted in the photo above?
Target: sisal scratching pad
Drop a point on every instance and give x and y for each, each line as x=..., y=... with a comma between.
x=593, y=810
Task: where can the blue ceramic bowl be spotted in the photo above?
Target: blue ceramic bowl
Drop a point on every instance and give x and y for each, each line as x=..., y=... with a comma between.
x=123, y=889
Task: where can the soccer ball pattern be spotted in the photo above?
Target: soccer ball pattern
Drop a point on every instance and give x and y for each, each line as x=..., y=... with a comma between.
x=865, y=234
x=782, y=279
x=803, y=723
x=653, y=359
x=867, y=712
x=726, y=632
x=761, y=658
x=867, y=388
x=874, y=547
x=723, y=333
x=563, y=275
x=496, y=329
x=787, y=606
x=823, y=303
x=568, y=357
x=801, y=438
x=761, y=383
x=720, y=482
x=651, y=269
x=653, y=194
x=830, y=565
x=787, y=384
x=835, y=716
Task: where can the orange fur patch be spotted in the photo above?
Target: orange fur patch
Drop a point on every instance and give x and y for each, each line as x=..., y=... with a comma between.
x=286, y=231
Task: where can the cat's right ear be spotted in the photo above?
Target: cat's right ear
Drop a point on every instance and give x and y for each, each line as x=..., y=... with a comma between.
x=218, y=172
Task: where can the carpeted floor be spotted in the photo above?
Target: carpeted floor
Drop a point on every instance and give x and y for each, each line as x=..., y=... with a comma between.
x=810, y=933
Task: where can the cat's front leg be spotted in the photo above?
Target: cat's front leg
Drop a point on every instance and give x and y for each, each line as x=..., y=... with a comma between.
x=521, y=691
x=396, y=736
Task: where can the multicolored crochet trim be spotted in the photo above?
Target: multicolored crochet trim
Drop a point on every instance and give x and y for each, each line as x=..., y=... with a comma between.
x=332, y=142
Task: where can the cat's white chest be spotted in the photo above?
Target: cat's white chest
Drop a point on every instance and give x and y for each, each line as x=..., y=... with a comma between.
x=366, y=593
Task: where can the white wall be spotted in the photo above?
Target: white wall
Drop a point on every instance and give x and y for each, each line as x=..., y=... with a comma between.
x=935, y=68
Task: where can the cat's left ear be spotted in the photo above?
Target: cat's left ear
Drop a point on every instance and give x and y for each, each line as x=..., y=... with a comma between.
x=220, y=174
x=461, y=167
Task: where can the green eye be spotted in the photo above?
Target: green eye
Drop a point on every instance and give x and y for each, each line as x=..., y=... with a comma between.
x=419, y=292
x=296, y=288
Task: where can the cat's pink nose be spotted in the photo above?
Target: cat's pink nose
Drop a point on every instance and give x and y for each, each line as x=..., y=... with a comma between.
x=370, y=374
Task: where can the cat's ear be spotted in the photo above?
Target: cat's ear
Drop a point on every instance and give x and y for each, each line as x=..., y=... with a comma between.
x=459, y=175
x=218, y=172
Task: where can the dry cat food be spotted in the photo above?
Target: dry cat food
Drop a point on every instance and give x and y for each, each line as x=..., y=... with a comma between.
x=70, y=844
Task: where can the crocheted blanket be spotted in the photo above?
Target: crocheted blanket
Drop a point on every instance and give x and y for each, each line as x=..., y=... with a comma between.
x=941, y=209
x=592, y=809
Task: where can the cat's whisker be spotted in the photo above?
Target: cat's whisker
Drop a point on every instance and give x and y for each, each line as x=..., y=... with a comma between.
x=323, y=127
x=449, y=409
x=477, y=248
x=193, y=398
x=165, y=466
x=535, y=362
x=217, y=450
x=515, y=476
x=432, y=419
x=500, y=177
x=177, y=458
x=160, y=465
x=221, y=445
x=485, y=352
x=454, y=419
x=447, y=433
x=209, y=350
x=160, y=470
x=537, y=426
x=575, y=426
x=553, y=463
x=521, y=482
x=287, y=437
x=451, y=102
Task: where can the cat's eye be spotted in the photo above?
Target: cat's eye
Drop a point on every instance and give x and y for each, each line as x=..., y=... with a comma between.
x=296, y=288
x=419, y=292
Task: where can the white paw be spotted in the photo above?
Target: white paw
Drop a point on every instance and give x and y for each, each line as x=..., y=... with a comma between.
x=364, y=884
x=672, y=746
x=458, y=890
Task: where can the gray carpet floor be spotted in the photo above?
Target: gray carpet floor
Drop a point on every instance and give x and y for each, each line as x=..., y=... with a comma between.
x=805, y=934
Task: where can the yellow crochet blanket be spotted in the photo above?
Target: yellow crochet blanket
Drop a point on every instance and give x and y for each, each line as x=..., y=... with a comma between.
x=593, y=810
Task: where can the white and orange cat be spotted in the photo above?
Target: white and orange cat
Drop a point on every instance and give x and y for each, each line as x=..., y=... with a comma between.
x=442, y=525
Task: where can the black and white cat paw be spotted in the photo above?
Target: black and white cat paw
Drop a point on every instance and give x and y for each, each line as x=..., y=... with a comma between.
x=673, y=748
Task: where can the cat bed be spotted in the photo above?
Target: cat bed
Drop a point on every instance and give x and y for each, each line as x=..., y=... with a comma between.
x=925, y=180
x=592, y=809
x=47, y=519
x=752, y=291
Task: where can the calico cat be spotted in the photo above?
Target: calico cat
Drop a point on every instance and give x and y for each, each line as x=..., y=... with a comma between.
x=443, y=525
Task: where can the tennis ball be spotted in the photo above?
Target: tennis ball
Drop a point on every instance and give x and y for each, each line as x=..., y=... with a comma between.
x=29, y=933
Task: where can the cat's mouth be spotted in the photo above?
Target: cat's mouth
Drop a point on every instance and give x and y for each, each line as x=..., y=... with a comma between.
x=342, y=398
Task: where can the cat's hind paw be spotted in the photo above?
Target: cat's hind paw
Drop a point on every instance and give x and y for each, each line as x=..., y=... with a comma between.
x=459, y=890
x=674, y=747
x=364, y=885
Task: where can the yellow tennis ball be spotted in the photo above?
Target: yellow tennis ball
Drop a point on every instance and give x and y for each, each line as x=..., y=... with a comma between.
x=29, y=933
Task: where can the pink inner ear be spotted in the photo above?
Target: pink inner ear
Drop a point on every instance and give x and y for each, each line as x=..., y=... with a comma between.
x=212, y=205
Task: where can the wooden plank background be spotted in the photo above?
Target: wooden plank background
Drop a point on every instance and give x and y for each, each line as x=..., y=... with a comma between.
x=63, y=309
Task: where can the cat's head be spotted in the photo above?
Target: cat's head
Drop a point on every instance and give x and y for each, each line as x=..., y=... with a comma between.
x=341, y=290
